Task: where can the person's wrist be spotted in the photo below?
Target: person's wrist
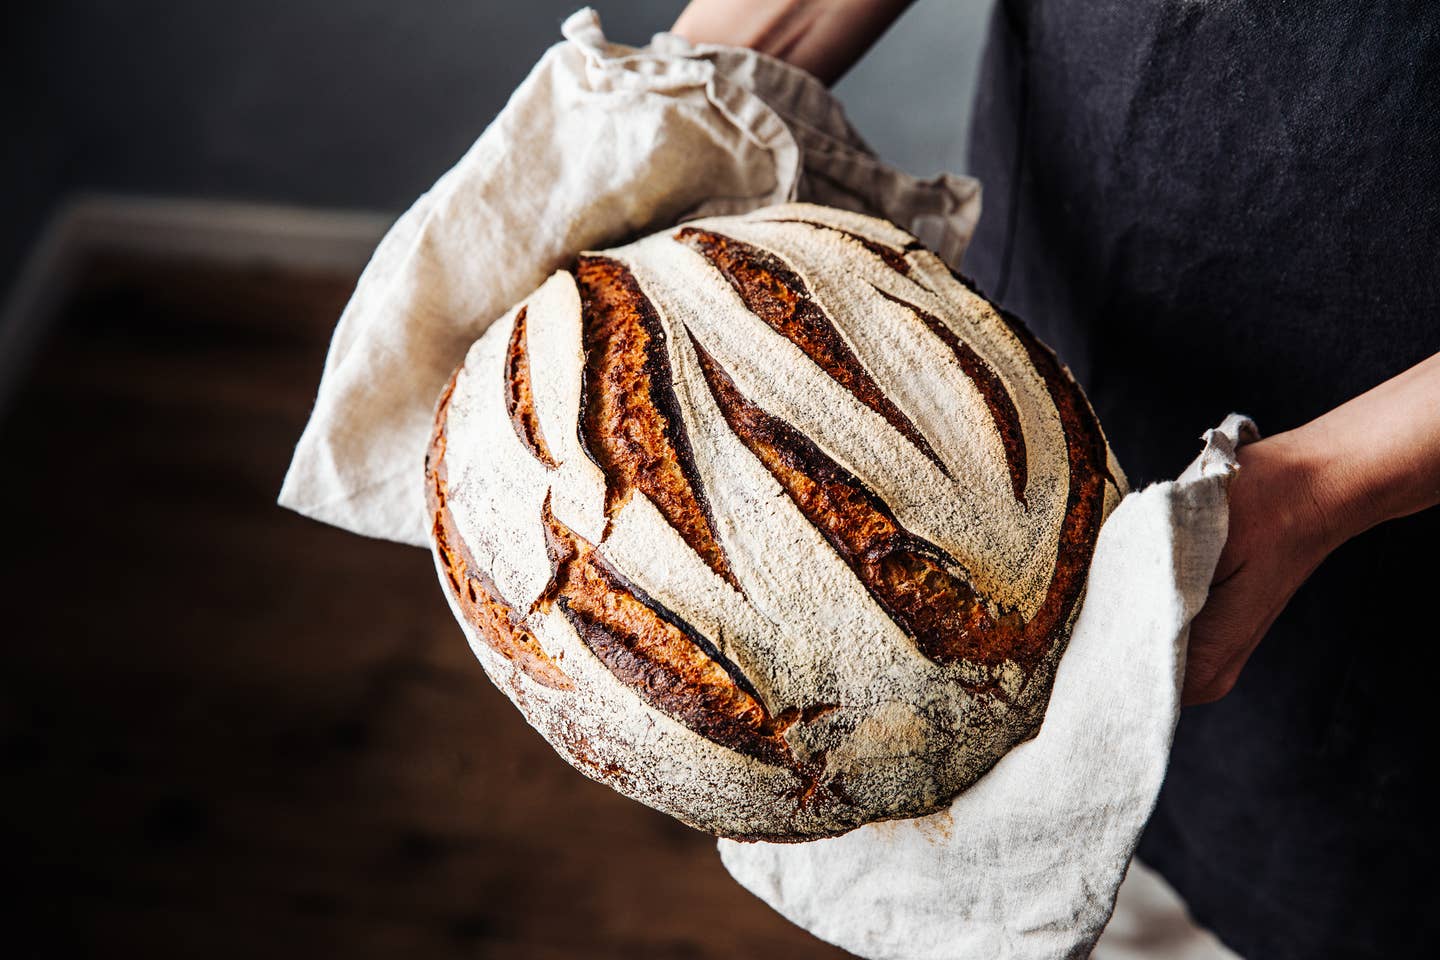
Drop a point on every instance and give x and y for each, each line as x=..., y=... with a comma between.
x=1336, y=483
x=1287, y=487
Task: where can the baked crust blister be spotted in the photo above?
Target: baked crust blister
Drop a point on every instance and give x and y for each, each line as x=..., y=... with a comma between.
x=770, y=522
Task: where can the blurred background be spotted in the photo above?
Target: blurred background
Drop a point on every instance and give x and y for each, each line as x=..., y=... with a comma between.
x=226, y=730
x=360, y=107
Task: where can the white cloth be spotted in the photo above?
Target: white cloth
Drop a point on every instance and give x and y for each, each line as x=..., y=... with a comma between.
x=602, y=143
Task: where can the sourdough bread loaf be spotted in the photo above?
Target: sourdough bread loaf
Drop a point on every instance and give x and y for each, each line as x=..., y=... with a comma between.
x=769, y=522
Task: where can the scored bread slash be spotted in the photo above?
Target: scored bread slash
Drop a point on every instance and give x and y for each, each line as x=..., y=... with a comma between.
x=843, y=512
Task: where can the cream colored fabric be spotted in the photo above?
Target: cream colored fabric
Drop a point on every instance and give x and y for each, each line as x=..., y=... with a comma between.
x=602, y=143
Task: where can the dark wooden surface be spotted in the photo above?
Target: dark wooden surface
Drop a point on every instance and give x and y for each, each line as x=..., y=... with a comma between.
x=230, y=731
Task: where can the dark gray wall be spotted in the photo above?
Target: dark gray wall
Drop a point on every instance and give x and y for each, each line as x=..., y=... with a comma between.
x=355, y=104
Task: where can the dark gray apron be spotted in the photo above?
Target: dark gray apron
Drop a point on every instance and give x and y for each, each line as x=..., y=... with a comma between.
x=1221, y=205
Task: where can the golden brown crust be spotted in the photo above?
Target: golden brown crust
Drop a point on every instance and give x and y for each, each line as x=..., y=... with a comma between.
x=775, y=294
x=519, y=398
x=894, y=257
x=1085, y=502
x=997, y=399
x=914, y=580
x=907, y=575
x=654, y=652
x=645, y=646
x=632, y=426
x=497, y=623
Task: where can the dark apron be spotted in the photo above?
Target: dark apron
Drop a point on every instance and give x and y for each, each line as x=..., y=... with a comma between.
x=1215, y=206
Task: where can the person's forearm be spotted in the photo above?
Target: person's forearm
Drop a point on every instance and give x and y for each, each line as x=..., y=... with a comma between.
x=824, y=37
x=1298, y=496
x=1376, y=457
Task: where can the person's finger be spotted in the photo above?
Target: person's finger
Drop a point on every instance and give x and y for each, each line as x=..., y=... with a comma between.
x=1226, y=632
x=1220, y=627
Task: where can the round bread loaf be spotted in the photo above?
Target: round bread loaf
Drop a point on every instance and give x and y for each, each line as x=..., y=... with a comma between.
x=769, y=522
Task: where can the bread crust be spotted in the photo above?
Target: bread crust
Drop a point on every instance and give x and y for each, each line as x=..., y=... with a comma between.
x=750, y=585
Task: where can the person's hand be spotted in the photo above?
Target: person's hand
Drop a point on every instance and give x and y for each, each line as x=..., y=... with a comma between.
x=1298, y=496
x=1279, y=533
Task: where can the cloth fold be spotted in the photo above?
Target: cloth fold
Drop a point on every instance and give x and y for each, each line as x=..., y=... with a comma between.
x=601, y=143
